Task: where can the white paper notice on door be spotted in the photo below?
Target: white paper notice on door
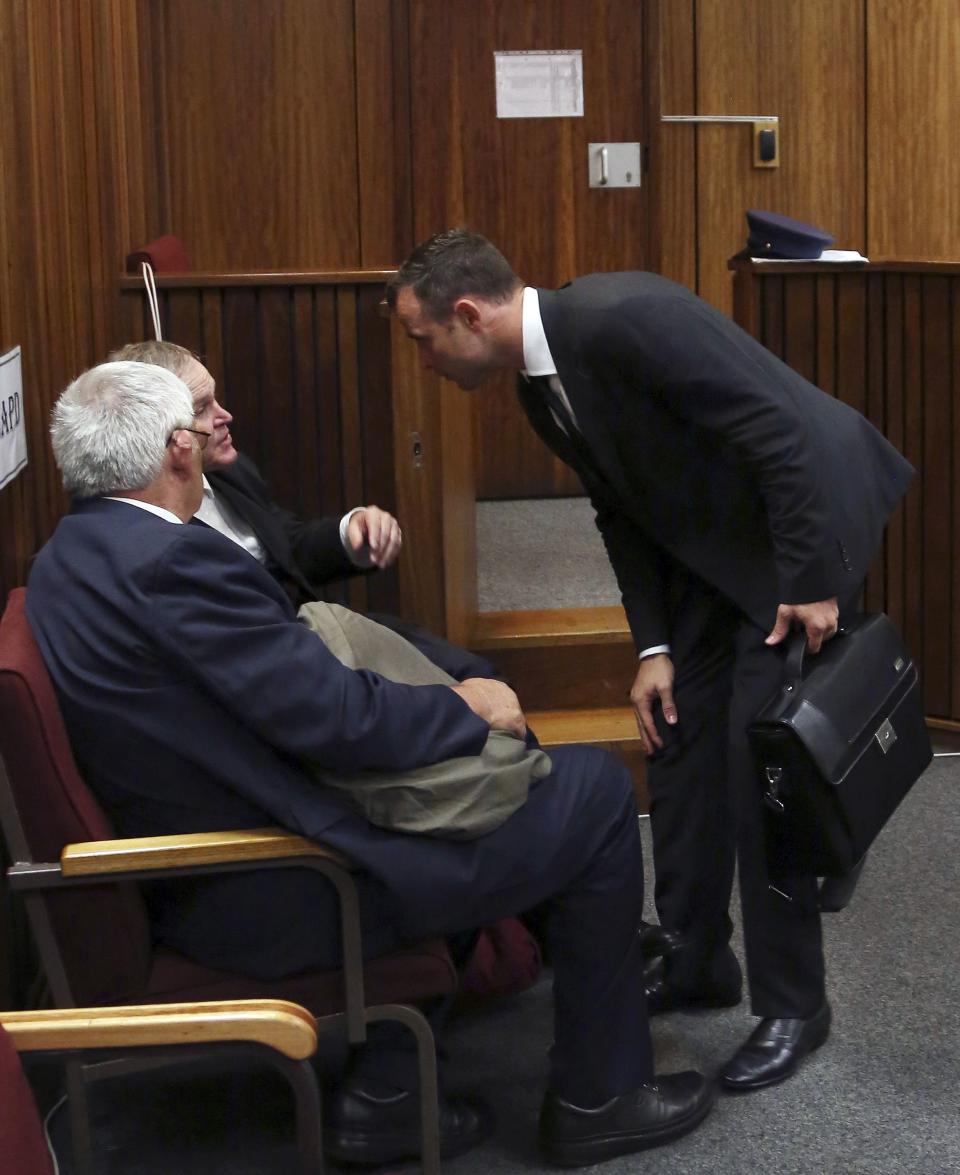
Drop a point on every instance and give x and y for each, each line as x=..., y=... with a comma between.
x=13, y=434
x=542, y=83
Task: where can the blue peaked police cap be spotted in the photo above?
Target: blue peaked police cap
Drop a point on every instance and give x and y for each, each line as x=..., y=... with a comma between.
x=774, y=235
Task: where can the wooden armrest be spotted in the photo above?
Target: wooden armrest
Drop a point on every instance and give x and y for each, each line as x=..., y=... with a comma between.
x=197, y=848
x=285, y=1027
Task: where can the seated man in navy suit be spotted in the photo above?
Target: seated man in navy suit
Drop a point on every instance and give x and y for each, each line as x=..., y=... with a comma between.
x=304, y=555
x=194, y=699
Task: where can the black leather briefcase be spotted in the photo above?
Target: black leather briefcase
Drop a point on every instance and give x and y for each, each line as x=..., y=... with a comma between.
x=838, y=747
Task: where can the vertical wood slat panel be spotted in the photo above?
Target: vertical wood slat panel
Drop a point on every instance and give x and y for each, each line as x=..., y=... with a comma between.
x=888, y=342
x=894, y=390
x=936, y=420
x=915, y=566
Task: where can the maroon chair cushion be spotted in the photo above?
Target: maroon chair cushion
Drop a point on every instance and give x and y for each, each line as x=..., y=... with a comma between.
x=21, y=1133
x=416, y=973
x=505, y=961
x=102, y=932
x=166, y=254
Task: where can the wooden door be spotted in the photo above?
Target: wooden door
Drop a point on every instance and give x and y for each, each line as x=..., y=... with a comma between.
x=524, y=182
x=804, y=62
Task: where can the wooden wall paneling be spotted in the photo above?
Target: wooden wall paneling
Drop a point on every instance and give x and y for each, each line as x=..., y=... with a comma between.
x=913, y=92
x=350, y=432
x=376, y=453
x=523, y=182
x=383, y=131
x=912, y=449
x=418, y=457
x=260, y=124
x=771, y=318
x=800, y=311
x=240, y=366
x=826, y=332
x=875, y=411
x=895, y=390
x=935, y=472
x=805, y=63
x=851, y=307
x=673, y=146
x=953, y=568
x=327, y=364
x=306, y=458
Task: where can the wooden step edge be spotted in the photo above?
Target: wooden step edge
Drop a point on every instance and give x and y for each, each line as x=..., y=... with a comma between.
x=615, y=724
x=550, y=626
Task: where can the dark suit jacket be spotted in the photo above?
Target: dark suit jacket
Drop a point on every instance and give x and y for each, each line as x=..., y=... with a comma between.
x=700, y=446
x=191, y=695
x=302, y=554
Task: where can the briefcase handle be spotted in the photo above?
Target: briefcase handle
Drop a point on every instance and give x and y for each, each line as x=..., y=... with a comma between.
x=796, y=649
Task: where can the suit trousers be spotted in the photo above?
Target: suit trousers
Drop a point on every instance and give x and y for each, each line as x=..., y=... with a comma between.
x=706, y=808
x=574, y=845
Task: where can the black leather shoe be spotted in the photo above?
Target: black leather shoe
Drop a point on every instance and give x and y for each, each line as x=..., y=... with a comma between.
x=372, y=1129
x=671, y=985
x=646, y=1117
x=773, y=1051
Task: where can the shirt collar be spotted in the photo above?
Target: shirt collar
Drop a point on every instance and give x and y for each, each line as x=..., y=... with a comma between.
x=537, y=359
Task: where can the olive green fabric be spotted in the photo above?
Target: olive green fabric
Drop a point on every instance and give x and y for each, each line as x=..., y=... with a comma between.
x=459, y=798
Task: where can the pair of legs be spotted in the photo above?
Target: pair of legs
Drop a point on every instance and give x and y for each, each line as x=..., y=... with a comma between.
x=706, y=811
x=574, y=845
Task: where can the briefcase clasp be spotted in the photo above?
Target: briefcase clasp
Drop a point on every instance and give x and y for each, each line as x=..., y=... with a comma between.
x=886, y=736
x=773, y=776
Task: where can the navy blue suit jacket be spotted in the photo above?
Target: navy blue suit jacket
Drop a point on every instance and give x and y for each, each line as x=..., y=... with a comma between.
x=190, y=693
x=700, y=446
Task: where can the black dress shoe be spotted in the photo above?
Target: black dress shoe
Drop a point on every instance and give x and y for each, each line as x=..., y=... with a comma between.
x=773, y=1051
x=671, y=984
x=644, y=1118
x=656, y=942
x=368, y=1128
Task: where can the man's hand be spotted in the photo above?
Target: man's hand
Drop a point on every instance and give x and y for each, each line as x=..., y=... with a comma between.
x=820, y=621
x=494, y=702
x=654, y=680
x=378, y=532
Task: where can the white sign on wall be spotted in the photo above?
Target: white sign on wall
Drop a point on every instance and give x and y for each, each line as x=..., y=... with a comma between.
x=542, y=83
x=13, y=434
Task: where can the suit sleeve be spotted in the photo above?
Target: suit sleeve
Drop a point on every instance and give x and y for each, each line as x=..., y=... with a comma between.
x=704, y=373
x=638, y=566
x=314, y=542
x=223, y=618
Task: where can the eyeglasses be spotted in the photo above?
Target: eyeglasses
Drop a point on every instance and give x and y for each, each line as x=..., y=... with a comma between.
x=197, y=432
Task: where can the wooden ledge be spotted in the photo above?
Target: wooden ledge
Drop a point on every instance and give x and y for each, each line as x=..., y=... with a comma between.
x=285, y=1027
x=198, y=848
x=612, y=725
x=550, y=626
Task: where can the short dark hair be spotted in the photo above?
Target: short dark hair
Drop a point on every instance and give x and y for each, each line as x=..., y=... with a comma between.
x=448, y=266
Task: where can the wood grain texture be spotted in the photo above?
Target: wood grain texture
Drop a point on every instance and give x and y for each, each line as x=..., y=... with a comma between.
x=259, y=127
x=913, y=92
x=523, y=182
x=287, y=1028
x=75, y=165
x=806, y=64
x=886, y=339
x=94, y=858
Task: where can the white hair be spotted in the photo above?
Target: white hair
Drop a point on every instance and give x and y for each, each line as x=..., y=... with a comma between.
x=111, y=426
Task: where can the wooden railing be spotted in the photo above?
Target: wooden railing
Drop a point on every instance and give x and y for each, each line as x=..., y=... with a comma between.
x=885, y=338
